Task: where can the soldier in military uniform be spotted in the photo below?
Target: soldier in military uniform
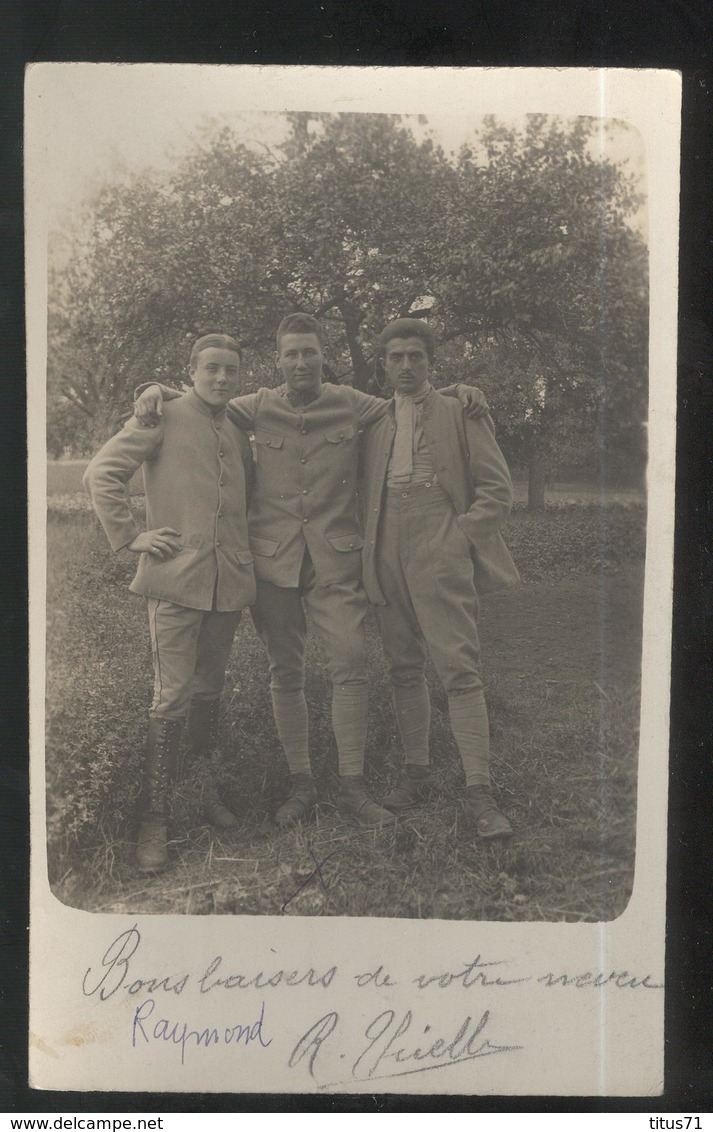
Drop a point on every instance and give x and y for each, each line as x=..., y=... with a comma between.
x=195, y=568
x=305, y=534
x=437, y=491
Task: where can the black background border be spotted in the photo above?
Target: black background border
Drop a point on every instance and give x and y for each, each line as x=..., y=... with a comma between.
x=629, y=33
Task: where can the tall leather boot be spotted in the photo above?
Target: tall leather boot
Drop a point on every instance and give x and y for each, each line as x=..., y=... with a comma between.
x=203, y=722
x=161, y=759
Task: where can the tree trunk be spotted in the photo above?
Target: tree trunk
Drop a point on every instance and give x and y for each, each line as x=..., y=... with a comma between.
x=352, y=323
x=536, y=481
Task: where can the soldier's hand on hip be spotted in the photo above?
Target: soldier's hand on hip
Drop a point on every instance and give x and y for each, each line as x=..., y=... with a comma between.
x=162, y=543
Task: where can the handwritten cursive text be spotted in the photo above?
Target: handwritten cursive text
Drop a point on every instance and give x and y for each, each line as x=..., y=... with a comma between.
x=179, y=1034
x=389, y=1052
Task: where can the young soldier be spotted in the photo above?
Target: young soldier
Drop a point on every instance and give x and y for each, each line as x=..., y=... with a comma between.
x=305, y=534
x=195, y=568
x=437, y=490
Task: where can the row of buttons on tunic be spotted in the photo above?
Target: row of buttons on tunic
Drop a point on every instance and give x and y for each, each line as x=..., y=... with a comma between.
x=221, y=481
x=303, y=460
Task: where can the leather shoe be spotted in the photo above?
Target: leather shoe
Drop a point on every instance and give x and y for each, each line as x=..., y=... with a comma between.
x=353, y=801
x=299, y=805
x=414, y=786
x=489, y=822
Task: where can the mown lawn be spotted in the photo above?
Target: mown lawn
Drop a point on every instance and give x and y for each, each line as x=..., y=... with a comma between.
x=561, y=656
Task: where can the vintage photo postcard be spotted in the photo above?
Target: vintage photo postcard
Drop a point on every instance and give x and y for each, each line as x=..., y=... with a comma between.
x=352, y=417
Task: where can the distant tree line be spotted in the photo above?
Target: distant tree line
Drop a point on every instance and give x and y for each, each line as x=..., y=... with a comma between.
x=521, y=253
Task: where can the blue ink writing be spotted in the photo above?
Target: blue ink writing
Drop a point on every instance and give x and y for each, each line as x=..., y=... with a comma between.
x=179, y=1034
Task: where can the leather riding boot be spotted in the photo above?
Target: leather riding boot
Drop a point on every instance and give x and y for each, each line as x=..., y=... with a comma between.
x=353, y=801
x=414, y=786
x=481, y=806
x=298, y=807
x=203, y=722
x=161, y=759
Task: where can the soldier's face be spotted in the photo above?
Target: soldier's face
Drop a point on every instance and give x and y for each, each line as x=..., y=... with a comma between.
x=406, y=364
x=300, y=360
x=215, y=374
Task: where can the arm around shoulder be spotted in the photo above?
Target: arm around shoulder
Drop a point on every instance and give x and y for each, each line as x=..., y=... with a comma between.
x=242, y=411
x=369, y=409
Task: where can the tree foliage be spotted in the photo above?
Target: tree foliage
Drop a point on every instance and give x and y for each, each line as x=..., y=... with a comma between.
x=520, y=252
x=556, y=286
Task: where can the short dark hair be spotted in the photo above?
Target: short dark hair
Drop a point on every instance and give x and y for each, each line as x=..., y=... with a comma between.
x=299, y=323
x=218, y=342
x=407, y=328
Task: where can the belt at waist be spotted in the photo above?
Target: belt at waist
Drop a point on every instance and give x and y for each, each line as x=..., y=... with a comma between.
x=428, y=492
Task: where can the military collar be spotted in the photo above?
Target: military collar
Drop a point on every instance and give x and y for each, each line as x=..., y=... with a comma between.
x=200, y=406
x=300, y=398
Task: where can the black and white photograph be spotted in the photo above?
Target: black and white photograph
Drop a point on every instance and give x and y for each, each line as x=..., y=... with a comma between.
x=348, y=711
x=348, y=447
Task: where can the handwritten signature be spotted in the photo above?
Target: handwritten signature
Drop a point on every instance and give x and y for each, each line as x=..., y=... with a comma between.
x=179, y=1034
x=388, y=1053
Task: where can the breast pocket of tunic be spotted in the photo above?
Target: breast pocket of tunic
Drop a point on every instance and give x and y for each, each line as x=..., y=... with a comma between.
x=270, y=457
x=345, y=543
x=342, y=435
x=343, y=450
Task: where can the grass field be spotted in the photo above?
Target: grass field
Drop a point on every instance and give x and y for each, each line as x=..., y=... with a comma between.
x=64, y=479
x=561, y=663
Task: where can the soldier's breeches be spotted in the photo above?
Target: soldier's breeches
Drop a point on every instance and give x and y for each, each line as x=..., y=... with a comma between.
x=426, y=574
x=337, y=614
x=190, y=649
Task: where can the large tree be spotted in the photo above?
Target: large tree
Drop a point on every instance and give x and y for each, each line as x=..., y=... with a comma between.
x=358, y=235
x=519, y=252
x=546, y=279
